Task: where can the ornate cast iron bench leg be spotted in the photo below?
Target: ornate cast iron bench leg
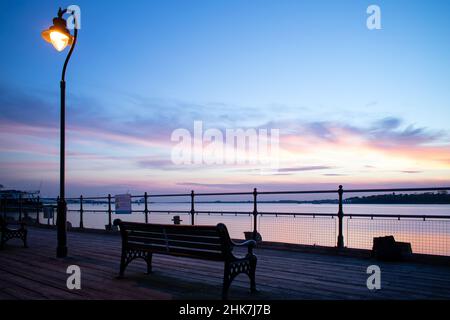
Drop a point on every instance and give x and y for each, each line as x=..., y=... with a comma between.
x=24, y=238
x=232, y=269
x=123, y=263
x=252, y=274
x=148, y=260
x=11, y=234
x=129, y=255
x=226, y=280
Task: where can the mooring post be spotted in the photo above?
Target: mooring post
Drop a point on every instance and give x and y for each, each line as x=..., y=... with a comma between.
x=81, y=212
x=340, y=239
x=192, y=207
x=37, y=209
x=109, y=213
x=255, y=214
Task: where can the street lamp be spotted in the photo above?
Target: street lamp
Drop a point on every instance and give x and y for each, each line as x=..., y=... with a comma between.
x=59, y=36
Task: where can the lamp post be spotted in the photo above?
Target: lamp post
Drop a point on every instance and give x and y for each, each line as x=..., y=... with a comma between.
x=59, y=36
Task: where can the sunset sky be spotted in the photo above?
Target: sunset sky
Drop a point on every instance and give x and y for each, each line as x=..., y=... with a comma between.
x=354, y=106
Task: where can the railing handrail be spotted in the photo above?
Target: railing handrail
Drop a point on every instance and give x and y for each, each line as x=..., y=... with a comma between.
x=377, y=190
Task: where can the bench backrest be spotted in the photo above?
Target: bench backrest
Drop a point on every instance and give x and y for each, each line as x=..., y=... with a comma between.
x=209, y=242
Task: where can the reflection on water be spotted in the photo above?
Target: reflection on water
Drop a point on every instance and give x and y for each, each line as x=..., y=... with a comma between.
x=429, y=236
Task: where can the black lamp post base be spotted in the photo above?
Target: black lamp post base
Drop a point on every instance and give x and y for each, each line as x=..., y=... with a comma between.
x=61, y=252
x=340, y=243
x=61, y=221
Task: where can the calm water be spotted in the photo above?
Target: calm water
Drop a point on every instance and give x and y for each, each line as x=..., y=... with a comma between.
x=429, y=236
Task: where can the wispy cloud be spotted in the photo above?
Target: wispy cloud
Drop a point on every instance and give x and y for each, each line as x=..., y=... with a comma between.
x=238, y=186
x=305, y=168
x=113, y=145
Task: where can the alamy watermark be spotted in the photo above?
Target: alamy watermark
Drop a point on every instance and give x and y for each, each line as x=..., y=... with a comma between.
x=373, y=21
x=74, y=20
x=250, y=146
x=374, y=280
x=74, y=280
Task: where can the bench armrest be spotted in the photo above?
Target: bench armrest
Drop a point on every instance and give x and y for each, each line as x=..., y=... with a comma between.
x=250, y=244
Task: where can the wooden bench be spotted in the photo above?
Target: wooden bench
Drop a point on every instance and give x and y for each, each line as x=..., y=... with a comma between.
x=140, y=240
x=10, y=233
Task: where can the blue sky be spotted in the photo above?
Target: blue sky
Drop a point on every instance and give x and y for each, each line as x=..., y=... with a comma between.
x=144, y=68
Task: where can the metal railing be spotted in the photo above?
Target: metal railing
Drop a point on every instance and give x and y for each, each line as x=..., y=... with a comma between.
x=426, y=232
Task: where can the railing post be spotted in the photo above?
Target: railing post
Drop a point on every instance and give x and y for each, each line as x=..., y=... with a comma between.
x=37, y=210
x=340, y=239
x=20, y=206
x=255, y=214
x=192, y=208
x=146, y=207
x=109, y=227
x=57, y=208
x=3, y=206
x=81, y=213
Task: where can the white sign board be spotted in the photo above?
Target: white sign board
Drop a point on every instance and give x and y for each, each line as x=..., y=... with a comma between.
x=123, y=203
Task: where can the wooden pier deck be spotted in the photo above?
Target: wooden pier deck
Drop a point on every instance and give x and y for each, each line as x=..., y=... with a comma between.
x=35, y=273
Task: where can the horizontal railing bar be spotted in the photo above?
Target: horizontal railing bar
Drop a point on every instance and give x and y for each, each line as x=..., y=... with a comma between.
x=297, y=192
x=169, y=195
x=223, y=212
x=133, y=211
x=89, y=198
x=266, y=193
x=308, y=214
x=397, y=216
x=396, y=190
x=353, y=190
x=167, y=211
x=347, y=215
x=88, y=210
x=224, y=194
x=293, y=192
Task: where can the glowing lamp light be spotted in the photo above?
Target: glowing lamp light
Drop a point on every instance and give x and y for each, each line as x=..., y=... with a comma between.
x=59, y=40
x=58, y=34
